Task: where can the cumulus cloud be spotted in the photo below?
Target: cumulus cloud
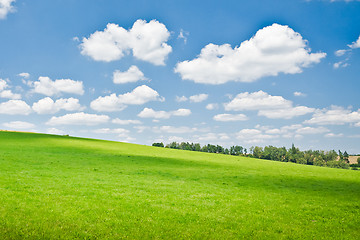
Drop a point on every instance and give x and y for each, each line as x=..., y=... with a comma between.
x=334, y=116
x=182, y=112
x=15, y=125
x=48, y=106
x=286, y=113
x=15, y=107
x=267, y=105
x=257, y=101
x=24, y=75
x=342, y=52
x=212, y=106
x=147, y=41
x=252, y=136
x=6, y=7
x=333, y=135
x=48, y=87
x=7, y=93
x=312, y=130
x=289, y=131
x=181, y=99
x=194, y=98
x=355, y=44
x=211, y=137
x=198, y=98
x=175, y=130
x=299, y=94
x=274, y=49
x=80, y=118
x=113, y=102
x=230, y=117
x=133, y=74
x=150, y=113
x=125, y=122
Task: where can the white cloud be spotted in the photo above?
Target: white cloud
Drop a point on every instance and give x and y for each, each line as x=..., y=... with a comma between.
x=175, y=130
x=312, y=130
x=55, y=131
x=125, y=122
x=257, y=101
x=48, y=106
x=181, y=99
x=214, y=138
x=274, y=49
x=340, y=52
x=79, y=119
x=341, y=64
x=147, y=41
x=138, y=96
x=286, y=113
x=115, y=130
x=194, y=98
x=18, y=125
x=355, y=44
x=183, y=35
x=230, y=117
x=7, y=93
x=48, y=87
x=3, y=84
x=6, y=7
x=24, y=75
x=299, y=94
x=15, y=107
x=150, y=113
x=252, y=136
x=333, y=135
x=334, y=116
x=212, y=106
x=133, y=74
x=269, y=106
x=198, y=98
x=182, y=112
x=289, y=131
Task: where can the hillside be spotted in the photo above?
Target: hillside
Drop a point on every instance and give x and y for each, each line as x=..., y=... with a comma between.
x=58, y=187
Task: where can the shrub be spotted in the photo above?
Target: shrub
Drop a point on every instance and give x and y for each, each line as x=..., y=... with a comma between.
x=301, y=161
x=158, y=144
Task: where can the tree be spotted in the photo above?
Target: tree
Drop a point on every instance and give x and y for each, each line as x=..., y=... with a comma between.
x=158, y=144
x=257, y=152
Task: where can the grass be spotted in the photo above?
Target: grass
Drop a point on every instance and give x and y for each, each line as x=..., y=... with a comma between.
x=57, y=187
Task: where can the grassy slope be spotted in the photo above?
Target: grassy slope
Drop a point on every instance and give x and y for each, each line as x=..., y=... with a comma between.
x=62, y=187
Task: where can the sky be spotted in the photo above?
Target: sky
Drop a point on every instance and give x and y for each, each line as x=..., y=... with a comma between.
x=249, y=73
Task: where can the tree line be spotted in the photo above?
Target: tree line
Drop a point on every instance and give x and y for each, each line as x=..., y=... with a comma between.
x=321, y=158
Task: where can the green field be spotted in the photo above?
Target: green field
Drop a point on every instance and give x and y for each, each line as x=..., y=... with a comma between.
x=57, y=187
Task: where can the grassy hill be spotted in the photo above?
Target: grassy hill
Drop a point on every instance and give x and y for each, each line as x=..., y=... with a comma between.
x=57, y=187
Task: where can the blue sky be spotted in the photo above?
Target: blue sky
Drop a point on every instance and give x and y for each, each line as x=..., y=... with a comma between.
x=222, y=72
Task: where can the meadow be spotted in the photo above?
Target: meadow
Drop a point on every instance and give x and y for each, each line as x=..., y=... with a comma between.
x=60, y=187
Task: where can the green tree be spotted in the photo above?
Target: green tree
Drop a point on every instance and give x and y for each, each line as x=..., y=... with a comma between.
x=158, y=144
